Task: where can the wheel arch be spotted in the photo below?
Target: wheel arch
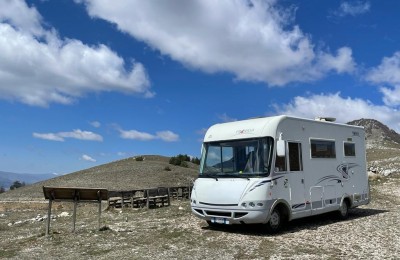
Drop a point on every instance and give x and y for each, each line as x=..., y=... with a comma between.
x=346, y=198
x=283, y=207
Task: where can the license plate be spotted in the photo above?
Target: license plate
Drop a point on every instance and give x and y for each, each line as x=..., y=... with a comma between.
x=220, y=220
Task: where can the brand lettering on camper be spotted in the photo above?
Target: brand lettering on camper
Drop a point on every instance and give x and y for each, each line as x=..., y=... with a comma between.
x=244, y=131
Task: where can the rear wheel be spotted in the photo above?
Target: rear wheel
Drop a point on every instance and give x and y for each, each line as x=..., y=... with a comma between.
x=274, y=224
x=344, y=210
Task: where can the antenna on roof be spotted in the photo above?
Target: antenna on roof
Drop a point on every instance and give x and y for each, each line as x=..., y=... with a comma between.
x=325, y=119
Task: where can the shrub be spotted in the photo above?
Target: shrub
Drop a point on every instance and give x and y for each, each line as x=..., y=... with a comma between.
x=195, y=160
x=139, y=159
x=180, y=160
x=184, y=164
x=16, y=185
x=166, y=168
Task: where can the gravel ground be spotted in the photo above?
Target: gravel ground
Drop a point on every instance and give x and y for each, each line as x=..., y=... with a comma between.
x=371, y=232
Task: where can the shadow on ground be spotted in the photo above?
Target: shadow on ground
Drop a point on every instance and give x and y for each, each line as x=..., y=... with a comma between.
x=308, y=223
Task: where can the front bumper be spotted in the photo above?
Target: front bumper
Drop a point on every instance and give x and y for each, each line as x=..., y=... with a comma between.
x=232, y=216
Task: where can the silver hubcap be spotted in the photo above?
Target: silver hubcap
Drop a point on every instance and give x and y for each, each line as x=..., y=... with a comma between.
x=274, y=221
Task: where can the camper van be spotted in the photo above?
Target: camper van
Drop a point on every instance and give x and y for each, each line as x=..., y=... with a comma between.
x=275, y=169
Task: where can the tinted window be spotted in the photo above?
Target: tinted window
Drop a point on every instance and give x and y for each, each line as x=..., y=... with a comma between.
x=323, y=149
x=295, y=160
x=349, y=149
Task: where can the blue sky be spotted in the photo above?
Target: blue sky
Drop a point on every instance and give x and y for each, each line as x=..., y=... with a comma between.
x=86, y=82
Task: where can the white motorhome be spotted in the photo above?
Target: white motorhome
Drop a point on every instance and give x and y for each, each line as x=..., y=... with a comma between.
x=276, y=169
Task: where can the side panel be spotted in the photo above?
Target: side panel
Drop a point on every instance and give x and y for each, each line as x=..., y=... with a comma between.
x=326, y=180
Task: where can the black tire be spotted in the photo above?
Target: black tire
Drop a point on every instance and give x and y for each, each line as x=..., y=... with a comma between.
x=343, y=212
x=274, y=224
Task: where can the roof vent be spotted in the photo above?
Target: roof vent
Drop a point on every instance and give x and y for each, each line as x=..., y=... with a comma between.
x=325, y=119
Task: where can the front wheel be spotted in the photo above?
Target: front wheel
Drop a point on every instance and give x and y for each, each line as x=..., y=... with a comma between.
x=274, y=224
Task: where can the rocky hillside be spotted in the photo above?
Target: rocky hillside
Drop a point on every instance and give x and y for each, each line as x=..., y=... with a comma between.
x=126, y=174
x=376, y=132
x=383, y=147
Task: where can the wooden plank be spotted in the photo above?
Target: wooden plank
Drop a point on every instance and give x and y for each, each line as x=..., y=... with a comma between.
x=69, y=193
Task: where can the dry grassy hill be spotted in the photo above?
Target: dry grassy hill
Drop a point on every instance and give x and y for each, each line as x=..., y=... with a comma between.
x=126, y=174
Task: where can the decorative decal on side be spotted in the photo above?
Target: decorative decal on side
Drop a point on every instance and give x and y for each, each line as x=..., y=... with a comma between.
x=330, y=178
x=261, y=183
x=298, y=206
x=344, y=169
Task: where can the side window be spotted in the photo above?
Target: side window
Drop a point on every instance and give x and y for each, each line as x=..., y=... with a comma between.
x=295, y=157
x=349, y=149
x=322, y=148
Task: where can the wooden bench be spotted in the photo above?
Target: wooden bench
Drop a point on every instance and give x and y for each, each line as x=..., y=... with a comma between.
x=158, y=196
x=139, y=198
x=120, y=199
x=180, y=192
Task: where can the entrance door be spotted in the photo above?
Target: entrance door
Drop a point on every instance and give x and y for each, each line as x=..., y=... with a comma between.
x=296, y=177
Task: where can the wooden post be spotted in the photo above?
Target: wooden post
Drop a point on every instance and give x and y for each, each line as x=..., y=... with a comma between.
x=99, y=198
x=148, y=200
x=74, y=215
x=169, y=201
x=48, y=218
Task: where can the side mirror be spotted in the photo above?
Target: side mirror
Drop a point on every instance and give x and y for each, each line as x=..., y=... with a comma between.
x=280, y=148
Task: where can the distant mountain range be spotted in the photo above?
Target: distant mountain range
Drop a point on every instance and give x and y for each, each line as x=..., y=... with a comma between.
x=7, y=178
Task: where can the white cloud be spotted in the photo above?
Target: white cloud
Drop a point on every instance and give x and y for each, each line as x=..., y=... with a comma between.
x=75, y=134
x=87, y=158
x=167, y=136
x=343, y=109
x=387, y=73
x=49, y=136
x=17, y=13
x=353, y=8
x=95, y=124
x=37, y=67
x=343, y=62
x=391, y=97
x=254, y=40
x=136, y=135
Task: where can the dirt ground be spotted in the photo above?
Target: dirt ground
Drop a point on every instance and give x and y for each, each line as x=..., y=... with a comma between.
x=371, y=232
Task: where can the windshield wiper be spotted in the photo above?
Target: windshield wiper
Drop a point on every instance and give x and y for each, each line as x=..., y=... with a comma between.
x=234, y=175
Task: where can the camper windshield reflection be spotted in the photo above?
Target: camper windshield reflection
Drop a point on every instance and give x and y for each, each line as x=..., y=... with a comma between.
x=241, y=158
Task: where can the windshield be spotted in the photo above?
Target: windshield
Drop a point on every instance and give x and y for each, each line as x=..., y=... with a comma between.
x=242, y=158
